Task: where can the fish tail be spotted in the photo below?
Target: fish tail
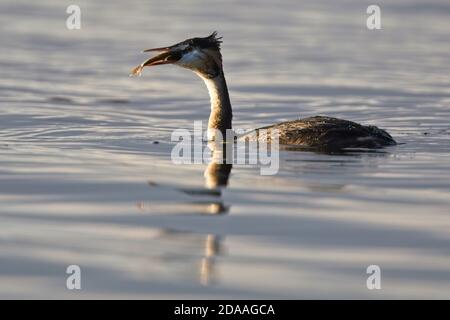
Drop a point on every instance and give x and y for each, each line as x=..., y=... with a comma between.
x=136, y=71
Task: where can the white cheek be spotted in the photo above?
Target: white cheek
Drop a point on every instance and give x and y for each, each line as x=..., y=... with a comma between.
x=191, y=57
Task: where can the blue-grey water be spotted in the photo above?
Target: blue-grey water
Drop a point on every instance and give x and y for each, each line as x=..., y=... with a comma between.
x=82, y=181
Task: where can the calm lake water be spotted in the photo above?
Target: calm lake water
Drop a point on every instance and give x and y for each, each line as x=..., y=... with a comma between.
x=83, y=182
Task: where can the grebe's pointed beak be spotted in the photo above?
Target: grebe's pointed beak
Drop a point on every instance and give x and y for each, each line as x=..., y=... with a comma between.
x=157, y=49
x=167, y=56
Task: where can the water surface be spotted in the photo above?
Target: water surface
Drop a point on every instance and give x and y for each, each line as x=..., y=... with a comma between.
x=83, y=181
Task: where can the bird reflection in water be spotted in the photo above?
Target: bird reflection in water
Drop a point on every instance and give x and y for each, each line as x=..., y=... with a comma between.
x=216, y=176
x=209, y=198
x=213, y=248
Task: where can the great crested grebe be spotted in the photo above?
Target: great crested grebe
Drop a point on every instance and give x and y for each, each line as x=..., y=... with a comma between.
x=202, y=56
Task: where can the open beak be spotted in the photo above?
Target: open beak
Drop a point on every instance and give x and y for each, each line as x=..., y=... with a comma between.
x=167, y=56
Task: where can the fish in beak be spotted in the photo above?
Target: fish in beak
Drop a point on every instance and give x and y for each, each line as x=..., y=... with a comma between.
x=167, y=55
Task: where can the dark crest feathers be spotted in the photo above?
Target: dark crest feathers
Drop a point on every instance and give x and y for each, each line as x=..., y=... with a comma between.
x=211, y=41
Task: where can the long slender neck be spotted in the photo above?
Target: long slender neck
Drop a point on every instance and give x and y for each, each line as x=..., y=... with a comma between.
x=221, y=113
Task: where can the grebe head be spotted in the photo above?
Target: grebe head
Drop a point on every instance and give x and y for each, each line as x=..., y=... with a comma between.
x=201, y=55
